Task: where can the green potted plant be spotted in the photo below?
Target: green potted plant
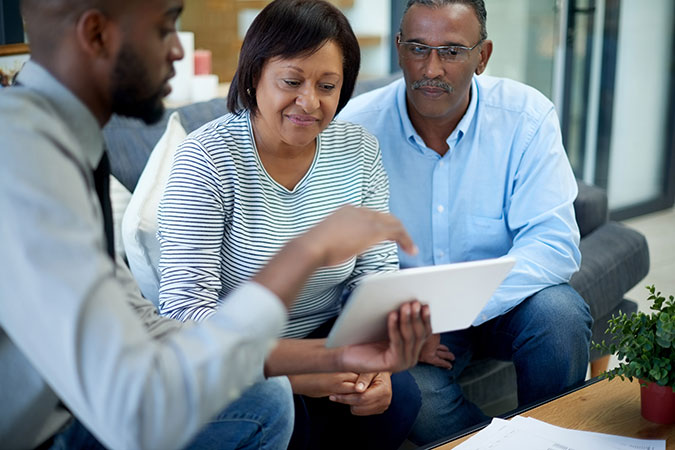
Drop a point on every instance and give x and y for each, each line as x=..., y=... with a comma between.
x=645, y=346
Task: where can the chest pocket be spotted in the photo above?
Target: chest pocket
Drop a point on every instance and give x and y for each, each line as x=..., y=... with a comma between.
x=485, y=237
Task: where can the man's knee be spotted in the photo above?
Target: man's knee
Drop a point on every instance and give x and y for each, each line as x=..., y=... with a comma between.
x=273, y=399
x=270, y=403
x=440, y=392
x=278, y=399
x=561, y=310
x=261, y=418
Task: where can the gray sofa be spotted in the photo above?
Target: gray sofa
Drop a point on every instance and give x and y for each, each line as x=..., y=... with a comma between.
x=614, y=257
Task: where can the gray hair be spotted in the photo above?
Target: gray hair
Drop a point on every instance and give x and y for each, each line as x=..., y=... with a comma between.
x=478, y=7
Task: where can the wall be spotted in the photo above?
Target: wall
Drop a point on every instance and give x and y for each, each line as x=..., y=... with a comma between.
x=371, y=18
x=370, y=22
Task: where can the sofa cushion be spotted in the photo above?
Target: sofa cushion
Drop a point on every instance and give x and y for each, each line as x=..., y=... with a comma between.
x=139, y=224
x=614, y=259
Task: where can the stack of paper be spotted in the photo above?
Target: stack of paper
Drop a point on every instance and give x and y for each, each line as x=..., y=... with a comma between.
x=526, y=433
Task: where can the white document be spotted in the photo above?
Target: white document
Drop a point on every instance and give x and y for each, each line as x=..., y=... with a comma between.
x=500, y=435
x=579, y=438
x=525, y=433
x=455, y=293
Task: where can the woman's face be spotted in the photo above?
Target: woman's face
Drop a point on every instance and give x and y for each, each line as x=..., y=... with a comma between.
x=297, y=97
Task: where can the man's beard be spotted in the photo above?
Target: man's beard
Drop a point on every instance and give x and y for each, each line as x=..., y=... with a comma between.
x=132, y=93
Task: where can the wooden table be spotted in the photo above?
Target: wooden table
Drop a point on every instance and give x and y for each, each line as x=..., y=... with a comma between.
x=611, y=407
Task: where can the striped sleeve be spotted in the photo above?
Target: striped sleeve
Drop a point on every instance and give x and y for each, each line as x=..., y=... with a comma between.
x=191, y=221
x=382, y=257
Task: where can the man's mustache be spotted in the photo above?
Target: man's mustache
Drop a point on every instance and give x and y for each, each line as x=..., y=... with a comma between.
x=433, y=82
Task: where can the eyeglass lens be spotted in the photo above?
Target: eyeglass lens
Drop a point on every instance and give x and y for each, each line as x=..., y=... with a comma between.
x=446, y=53
x=416, y=50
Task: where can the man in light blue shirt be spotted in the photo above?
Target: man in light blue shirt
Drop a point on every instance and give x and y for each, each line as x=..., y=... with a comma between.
x=477, y=170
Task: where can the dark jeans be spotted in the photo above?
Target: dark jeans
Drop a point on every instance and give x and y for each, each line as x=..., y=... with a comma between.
x=546, y=336
x=322, y=424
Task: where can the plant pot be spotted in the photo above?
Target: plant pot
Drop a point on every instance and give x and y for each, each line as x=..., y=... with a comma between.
x=657, y=403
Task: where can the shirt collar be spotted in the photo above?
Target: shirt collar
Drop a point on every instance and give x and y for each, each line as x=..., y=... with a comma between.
x=76, y=116
x=459, y=131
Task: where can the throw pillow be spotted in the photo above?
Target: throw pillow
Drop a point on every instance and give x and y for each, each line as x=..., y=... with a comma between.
x=139, y=224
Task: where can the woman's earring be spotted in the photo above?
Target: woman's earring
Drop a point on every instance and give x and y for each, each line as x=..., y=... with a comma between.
x=248, y=91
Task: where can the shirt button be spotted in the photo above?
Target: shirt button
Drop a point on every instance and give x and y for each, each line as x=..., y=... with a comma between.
x=441, y=254
x=441, y=164
x=440, y=208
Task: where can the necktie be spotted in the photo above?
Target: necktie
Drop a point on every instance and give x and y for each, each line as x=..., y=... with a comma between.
x=102, y=183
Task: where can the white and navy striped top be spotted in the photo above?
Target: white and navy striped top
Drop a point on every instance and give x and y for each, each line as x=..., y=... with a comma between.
x=222, y=217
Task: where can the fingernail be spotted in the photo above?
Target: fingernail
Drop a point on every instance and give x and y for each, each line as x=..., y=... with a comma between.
x=361, y=386
x=331, y=398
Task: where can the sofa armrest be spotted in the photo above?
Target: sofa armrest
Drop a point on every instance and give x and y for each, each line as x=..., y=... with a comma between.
x=590, y=207
x=614, y=258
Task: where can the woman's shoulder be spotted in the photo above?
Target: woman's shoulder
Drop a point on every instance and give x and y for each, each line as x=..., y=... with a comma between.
x=343, y=133
x=230, y=125
x=230, y=131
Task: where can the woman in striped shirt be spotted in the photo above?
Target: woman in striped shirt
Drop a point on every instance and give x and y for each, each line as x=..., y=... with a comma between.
x=246, y=183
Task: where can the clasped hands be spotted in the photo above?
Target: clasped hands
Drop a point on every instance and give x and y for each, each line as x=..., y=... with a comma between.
x=366, y=393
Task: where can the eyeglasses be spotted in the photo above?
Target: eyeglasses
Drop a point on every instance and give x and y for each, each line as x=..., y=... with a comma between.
x=447, y=53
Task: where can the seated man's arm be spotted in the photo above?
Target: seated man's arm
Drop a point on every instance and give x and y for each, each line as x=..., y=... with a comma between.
x=540, y=215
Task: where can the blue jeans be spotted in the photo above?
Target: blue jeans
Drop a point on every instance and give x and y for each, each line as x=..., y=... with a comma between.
x=262, y=418
x=546, y=336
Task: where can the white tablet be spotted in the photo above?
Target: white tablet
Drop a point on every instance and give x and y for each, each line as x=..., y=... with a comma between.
x=455, y=293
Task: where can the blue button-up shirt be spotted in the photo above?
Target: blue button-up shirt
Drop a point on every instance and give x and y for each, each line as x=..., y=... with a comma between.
x=504, y=187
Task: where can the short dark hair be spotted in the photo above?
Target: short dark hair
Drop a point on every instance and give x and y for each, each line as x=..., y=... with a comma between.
x=290, y=28
x=46, y=20
x=478, y=7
